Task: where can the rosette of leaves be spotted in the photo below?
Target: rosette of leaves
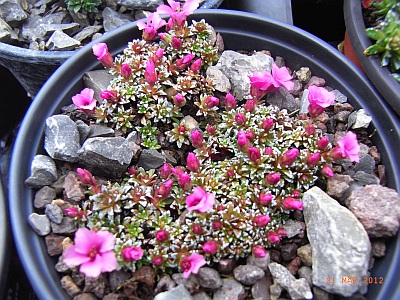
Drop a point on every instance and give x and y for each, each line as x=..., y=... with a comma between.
x=87, y=5
x=386, y=35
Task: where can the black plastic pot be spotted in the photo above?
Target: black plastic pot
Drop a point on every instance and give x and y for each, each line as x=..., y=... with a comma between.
x=32, y=68
x=241, y=31
x=387, y=86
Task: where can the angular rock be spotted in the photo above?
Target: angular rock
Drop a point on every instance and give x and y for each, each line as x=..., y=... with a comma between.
x=365, y=179
x=43, y=172
x=54, y=213
x=261, y=262
x=97, y=80
x=96, y=285
x=306, y=273
x=12, y=12
x=289, y=251
x=87, y=33
x=191, y=283
x=61, y=138
x=260, y=289
x=117, y=278
x=294, y=228
x=44, y=196
x=140, y=4
x=68, y=284
x=105, y=156
x=305, y=254
x=100, y=131
x=248, y=274
x=283, y=99
x=359, y=119
x=377, y=208
x=7, y=35
x=338, y=185
x=237, y=67
x=72, y=188
x=179, y=292
x=39, y=223
x=209, y=278
x=60, y=41
x=164, y=284
x=231, y=289
x=220, y=81
x=112, y=19
x=297, y=288
x=67, y=226
x=151, y=159
x=340, y=244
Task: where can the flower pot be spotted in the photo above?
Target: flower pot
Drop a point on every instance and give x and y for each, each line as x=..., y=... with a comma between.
x=32, y=67
x=386, y=85
x=255, y=33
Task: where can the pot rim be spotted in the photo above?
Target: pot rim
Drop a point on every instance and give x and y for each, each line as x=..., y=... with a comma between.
x=20, y=196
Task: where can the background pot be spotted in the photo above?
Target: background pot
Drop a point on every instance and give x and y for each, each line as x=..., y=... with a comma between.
x=240, y=31
x=32, y=67
x=387, y=86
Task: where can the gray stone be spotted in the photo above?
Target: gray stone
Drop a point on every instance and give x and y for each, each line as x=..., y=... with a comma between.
x=44, y=196
x=60, y=41
x=140, y=4
x=201, y=296
x=179, y=292
x=366, y=164
x=220, y=81
x=283, y=99
x=304, y=103
x=67, y=226
x=238, y=67
x=294, y=228
x=12, y=12
x=261, y=288
x=261, y=262
x=164, y=284
x=98, y=81
x=377, y=208
x=87, y=33
x=209, y=278
x=83, y=129
x=306, y=272
x=105, y=156
x=340, y=244
x=112, y=19
x=7, y=35
x=339, y=96
x=365, y=179
x=117, y=278
x=72, y=188
x=231, y=289
x=275, y=291
x=191, y=283
x=151, y=159
x=359, y=119
x=297, y=288
x=54, y=213
x=248, y=274
x=39, y=223
x=100, y=131
x=305, y=254
x=62, y=138
x=43, y=172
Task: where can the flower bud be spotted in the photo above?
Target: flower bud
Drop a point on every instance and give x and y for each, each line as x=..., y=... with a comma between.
x=272, y=178
x=273, y=238
x=240, y=119
x=230, y=173
x=176, y=43
x=165, y=171
x=265, y=199
x=336, y=153
x=110, y=96
x=230, y=102
x=292, y=203
x=295, y=194
x=126, y=71
x=282, y=232
x=179, y=100
x=262, y=220
x=315, y=110
x=267, y=124
x=268, y=151
x=210, y=129
x=313, y=159
x=259, y=251
x=132, y=170
x=242, y=140
x=290, y=156
x=197, y=229
x=211, y=101
x=158, y=260
x=150, y=73
x=250, y=134
x=162, y=236
x=327, y=171
x=132, y=253
x=250, y=105
x=85, y=176
x=196, y=65
x=197, y=138
x=323, y=143
x=71, y=212
x=310, y=130
x=192, y=162
x=165, y=188
x=210, y=247
x=184, y=62
x=254, y=154
x=216, y=225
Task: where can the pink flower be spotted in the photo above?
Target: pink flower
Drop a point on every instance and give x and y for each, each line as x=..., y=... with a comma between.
x=165, y=171
x=350, y=147
x=320, y=96
x=254, y=154
x=192, y=162
x=126, y=71
x=85, y=176
x=273, y=238
x=292, y=203
x=211, y=101
x=259, y=251
x=184, y=62
x=177, y=13
x=262, y=220
x=263, y=81
x=290, y=156
x=210, y=247
x=93, y=251
x=282, y=77
x=162, y=236
x=197, y=138
x=196, y=65
x=230, y=101
x=110, y=96
x=327, y=171
x=272, y=178
x=150, y=73
x=265, y=199
x=192, y=264
x=267, y=124
x=154, y=22
x=313, y=159
x=85, y=101
x=240, y=119
x=100, y=50
x=179, y=100
x=132, y=253
x=200, y=200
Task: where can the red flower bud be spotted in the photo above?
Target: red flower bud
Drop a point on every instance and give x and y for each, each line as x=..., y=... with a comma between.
x=126, y=71
x=165, y=171
x=292, y=203
x=197, y=138
x=176, y=43
x=250, y=105
x=273, y=238
x=310, y=130
x=272, y=178
x=323, y=143
x=158, y=260
x=210, y=247
x=327, y=171
x=259, y=251
x=196, y=65
x=197, y=229
x=211, y=101
x=254, y=154
x=290, y=156
x=262, y=220
x=230, y=102
x=267, y=124
x=192, y=162
x=162, y=236
x=265, y=199
x=240, y=119
x=210, y=129
x=313, y=159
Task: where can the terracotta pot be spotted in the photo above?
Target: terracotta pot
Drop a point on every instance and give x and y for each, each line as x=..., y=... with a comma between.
x=240, y=31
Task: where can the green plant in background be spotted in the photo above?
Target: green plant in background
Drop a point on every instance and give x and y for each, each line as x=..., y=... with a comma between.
x=88, y=5
x=386, y=34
